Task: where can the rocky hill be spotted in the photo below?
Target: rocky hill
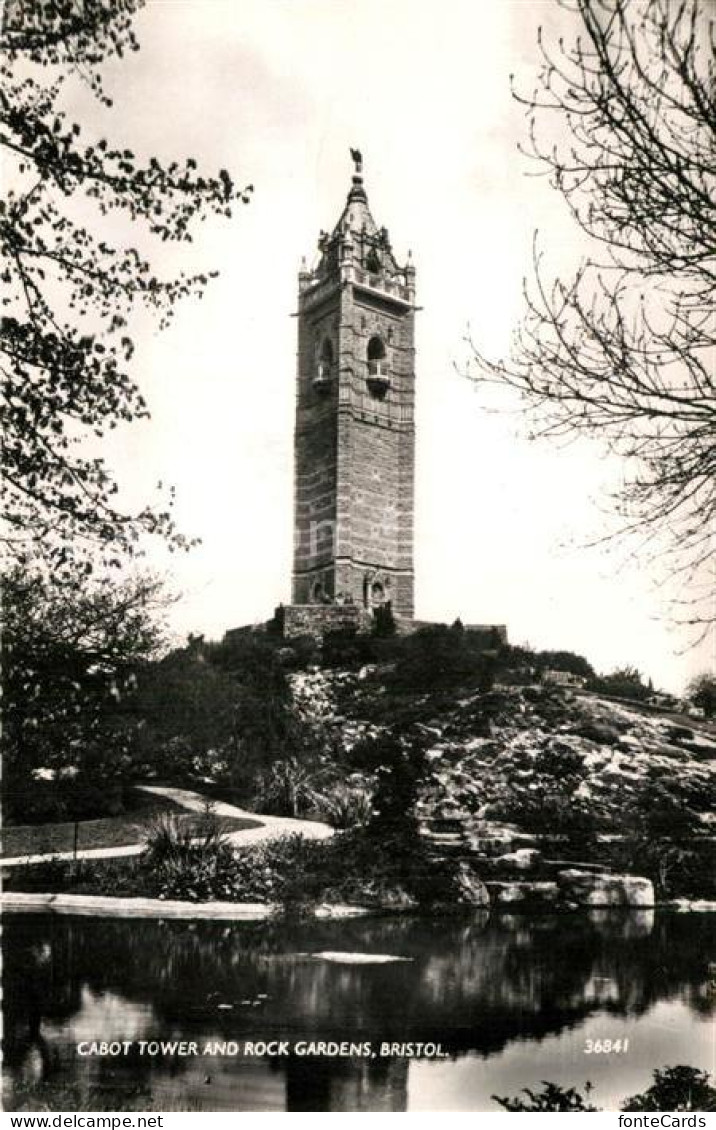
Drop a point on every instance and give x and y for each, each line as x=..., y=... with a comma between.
x=532, y=783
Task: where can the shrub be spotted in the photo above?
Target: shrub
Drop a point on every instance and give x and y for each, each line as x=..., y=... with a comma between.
x=438, y=657
x=346, y=804
x=169, y=836
x=401, y=770
x=552, y=1097
x=359, y=868
x=290, y=787
x=666, y=839
x=348, y=649
x=626, y=682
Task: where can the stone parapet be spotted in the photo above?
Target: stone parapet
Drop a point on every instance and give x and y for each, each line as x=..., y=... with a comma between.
x=319, y=620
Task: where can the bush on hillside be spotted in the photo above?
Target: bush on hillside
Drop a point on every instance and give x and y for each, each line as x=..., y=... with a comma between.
x=353, y=867
x=438, y=657
x=666, y=839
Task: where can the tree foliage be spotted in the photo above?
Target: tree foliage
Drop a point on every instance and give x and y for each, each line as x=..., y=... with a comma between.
x=225, y=710
x=622, y=122
x=676, y=1088
x=667, y=837
x=68, y=290
x=438, y=656
x=71, y=654
x=702, y=692
x=512, y=656
x=187, y=708
x=625, y=682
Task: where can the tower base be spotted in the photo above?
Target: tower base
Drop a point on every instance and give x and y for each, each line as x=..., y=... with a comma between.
x=316, y=621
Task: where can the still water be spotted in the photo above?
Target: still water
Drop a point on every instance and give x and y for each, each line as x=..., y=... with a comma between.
x=511, y=1000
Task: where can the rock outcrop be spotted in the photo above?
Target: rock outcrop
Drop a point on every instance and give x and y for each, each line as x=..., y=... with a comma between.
x=585, y=888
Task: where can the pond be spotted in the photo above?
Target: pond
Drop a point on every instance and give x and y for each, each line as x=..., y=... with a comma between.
x=506, y=1001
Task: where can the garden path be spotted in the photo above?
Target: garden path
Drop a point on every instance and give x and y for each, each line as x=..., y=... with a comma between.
x=271, y=828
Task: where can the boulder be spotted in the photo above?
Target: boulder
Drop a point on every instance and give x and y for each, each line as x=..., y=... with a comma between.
x=526, y=839
x=602, y=890
x=391, y=898
x=515, y=894
x=471, y=890
x=685, y=906
x=524, y=859
x=680, y=733
x=599, y=732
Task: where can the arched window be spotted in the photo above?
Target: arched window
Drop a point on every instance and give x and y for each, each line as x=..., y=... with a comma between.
x=377, y=594
x=378, y=377
x=376, y=349
x=324, y=366
x=372, y=262
x=327, y=353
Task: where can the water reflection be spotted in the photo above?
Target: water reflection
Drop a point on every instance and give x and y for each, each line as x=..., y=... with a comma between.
x=477, y=986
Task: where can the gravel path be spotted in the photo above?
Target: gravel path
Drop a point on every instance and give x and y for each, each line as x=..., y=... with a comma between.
x=272, y=827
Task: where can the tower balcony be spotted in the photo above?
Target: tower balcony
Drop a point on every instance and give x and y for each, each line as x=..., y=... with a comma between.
x=393, y=287
x=378, y=378
x=323, y=377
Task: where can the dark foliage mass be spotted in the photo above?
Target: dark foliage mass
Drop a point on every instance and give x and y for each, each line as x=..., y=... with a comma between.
x=622, y=122
x=71, y=654
x=674, y=1088
x=552, y=1097
x=69, y=290
x=624, y=682
x=93, y=700
x=702, y=692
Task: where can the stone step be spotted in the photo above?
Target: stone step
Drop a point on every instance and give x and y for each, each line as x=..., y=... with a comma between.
x=443, y=837
x=444, y=824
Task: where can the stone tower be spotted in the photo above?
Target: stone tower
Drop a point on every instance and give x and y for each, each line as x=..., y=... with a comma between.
x=355, y=431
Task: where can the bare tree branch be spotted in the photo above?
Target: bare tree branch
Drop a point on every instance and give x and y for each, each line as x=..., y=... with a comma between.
x=623, y=351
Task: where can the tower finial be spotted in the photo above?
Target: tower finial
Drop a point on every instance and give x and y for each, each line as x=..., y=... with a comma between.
x=357, y=191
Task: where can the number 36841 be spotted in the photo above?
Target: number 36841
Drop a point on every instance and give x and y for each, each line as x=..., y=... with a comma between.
x=606, y=1047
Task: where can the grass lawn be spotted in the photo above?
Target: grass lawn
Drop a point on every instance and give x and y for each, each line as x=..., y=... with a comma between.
x=111, y=831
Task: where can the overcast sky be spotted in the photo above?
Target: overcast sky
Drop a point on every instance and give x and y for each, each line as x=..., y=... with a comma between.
x=277, y=91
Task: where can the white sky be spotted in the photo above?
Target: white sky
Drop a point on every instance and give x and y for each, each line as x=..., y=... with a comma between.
x=276, y=91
